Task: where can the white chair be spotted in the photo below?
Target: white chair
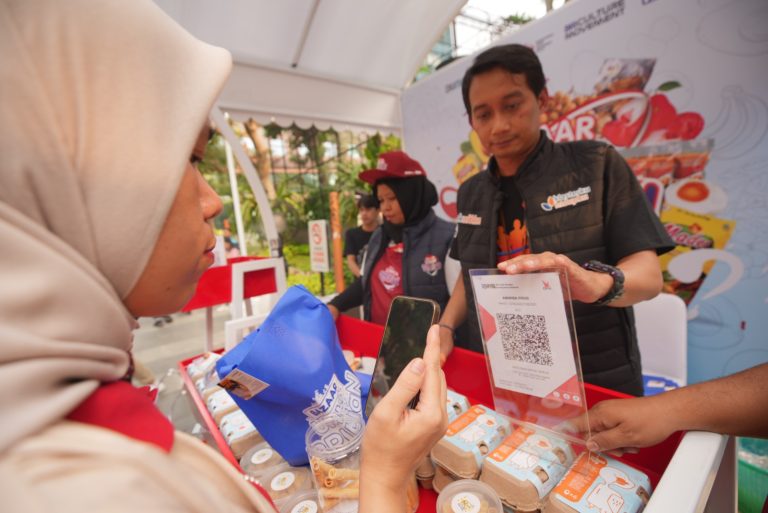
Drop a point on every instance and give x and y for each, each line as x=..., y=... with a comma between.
x=241, y=308
x=662, y=334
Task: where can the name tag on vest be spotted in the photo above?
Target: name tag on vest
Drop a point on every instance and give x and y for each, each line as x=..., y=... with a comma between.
x=471, y=219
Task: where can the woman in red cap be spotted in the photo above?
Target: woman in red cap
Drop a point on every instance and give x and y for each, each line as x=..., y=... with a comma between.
x=406, y=254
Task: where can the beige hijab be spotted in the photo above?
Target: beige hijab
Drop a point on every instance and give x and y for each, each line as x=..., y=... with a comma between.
x=100, y=104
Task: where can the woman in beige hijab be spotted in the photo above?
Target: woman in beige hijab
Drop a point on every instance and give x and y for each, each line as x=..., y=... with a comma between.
x=104, y=218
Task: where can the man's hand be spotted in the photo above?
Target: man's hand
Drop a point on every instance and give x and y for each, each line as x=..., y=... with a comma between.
x=334, y=311
x=454, y=314
x=642, y=276
x=628, y=423
x=586, y=286
x=726, y=405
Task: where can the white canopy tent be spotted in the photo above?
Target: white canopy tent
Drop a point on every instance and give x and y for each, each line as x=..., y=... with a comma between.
x=332, y=63
x=340, y=63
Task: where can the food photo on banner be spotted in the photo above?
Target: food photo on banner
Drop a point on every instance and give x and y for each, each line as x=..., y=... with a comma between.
x=640, y=75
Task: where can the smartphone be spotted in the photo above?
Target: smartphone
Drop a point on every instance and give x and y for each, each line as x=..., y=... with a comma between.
x=405, y=337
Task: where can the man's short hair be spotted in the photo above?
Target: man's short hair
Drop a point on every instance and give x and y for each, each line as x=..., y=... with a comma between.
x=513, y=58
x=367, y=201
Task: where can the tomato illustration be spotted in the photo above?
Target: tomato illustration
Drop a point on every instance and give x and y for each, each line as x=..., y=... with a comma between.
x=686, y=126
x=663, y=114
x=621, y=132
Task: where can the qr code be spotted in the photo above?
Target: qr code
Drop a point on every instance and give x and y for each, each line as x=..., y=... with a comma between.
x=524, y=338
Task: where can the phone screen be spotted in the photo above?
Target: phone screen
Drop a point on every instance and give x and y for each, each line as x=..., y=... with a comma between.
x=405, y=337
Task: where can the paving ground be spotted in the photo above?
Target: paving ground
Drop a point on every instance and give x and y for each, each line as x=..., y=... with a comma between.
x=161, y=348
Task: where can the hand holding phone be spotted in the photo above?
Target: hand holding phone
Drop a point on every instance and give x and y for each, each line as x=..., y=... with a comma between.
x=396, y=438
x=405, y=338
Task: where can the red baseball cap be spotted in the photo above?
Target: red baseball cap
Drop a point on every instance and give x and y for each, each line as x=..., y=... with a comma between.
x=393, y=164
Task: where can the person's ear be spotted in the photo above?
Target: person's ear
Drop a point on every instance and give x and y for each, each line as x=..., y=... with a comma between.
x=543, y=98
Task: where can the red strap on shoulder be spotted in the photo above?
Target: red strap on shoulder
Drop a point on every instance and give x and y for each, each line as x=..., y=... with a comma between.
x=131, y=411
x=128, y=410
x=262, y=491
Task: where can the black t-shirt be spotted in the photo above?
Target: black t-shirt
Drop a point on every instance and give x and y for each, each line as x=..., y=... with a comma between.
x=512, y=236
x=355, y=242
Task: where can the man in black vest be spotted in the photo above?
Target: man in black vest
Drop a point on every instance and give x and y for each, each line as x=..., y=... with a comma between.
x=541, y=204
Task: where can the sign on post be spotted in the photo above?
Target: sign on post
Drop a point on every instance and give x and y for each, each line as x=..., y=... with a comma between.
x=318, y=246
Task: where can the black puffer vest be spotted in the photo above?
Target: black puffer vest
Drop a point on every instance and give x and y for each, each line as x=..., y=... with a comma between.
x=422, y=277
x=607, y=340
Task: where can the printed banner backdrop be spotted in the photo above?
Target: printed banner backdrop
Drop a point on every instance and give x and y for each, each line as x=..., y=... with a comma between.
x=680, y=87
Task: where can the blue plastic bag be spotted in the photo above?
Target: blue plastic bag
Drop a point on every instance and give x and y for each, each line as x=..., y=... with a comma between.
x=296, y=354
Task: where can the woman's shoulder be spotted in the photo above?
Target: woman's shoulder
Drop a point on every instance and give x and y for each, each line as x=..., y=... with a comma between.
x=74, y=467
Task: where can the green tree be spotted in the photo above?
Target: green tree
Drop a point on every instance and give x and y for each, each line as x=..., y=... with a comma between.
x=300, y=197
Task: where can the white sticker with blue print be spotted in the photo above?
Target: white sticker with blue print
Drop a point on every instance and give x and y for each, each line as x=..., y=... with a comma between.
x=566, y=199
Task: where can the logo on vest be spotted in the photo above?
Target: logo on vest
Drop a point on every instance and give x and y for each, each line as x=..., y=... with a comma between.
x=566, y=199
x=390, y=278
x=431, y=265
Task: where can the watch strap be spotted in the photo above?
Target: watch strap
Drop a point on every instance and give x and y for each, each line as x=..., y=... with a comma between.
x=617, y=290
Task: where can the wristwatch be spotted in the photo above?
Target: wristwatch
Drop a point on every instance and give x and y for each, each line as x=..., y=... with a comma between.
x=618, y=280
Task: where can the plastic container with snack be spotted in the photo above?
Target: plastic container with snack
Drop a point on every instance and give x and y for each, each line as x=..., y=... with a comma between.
x=333, y=448
x=260, y=460
x=201, y=365
x=468, y=496
x=302, y=502
x=239, y=433
x=285, y=481
x=208, y=384
x=220, y=403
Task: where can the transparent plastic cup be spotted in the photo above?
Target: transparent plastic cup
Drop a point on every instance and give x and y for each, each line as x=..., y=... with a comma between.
x=333, y=447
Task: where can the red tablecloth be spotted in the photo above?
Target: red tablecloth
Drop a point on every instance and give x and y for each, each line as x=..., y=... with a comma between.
x=466, y=373
x=215, y=286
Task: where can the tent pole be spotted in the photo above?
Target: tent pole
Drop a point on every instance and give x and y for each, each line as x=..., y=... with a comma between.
x=253, y=179
x=304, y=34
x=235, y=198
